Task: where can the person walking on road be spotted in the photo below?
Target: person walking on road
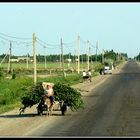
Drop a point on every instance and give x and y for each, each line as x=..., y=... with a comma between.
x=84, y=75
x=89, y=74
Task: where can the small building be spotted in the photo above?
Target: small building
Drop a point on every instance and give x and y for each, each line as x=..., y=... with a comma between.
x=14, y=60
x=68, y=60
x=23, y=59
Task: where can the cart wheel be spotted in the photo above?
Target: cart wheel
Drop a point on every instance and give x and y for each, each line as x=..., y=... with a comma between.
x=63, y=113
x=64, y=109
x=39, y=112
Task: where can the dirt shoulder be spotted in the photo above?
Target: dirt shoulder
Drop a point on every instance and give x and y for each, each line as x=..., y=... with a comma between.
x=87, y=86
x=12, y=124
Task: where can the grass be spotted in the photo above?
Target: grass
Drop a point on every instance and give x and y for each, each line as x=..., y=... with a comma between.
x=11, y=91
x=50, y=65
x=51, y=69
x=9, y=107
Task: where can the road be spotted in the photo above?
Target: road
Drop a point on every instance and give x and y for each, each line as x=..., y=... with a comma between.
x=112, y=108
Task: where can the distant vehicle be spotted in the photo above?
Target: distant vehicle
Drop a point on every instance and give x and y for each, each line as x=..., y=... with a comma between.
x=107, y=70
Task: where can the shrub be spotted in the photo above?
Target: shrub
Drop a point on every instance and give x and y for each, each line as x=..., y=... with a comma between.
x=13, y=76
x=1, y=72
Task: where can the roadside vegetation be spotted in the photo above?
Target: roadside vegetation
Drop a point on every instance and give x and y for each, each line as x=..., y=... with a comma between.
x=17, y=84
x=12, y=90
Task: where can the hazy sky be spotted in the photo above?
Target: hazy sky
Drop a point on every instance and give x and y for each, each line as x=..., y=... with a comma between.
x=114, y=25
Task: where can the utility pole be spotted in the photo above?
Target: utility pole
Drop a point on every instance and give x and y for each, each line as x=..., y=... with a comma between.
x=96, y=50
x=60, y=58
x=45, y=55
x=10, y=54
x=69, y=55
x=103, y=56
x=118, y=56
x=82, y=58
x=69, y=60
x=78, y=53
x=90, y=56
x=34, y=56
x=62, y=55
x=27, y=60
x=88, y=53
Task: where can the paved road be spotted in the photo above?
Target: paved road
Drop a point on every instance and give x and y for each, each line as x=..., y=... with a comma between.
x=111, y=109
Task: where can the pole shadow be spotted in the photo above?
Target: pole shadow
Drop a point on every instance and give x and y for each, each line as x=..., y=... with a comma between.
x=18, y=116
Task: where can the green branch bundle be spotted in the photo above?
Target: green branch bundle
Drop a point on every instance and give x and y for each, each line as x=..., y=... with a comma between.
x=62, y=92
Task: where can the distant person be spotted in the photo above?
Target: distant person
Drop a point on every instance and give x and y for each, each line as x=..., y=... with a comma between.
x=101, y=71
x=89, y=74
x=112, y=67
x=84, y=75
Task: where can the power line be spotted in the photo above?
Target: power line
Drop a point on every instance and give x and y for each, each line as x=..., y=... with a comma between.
x=47, y=43
x=84, y=42
x=13, y=40
x=4, y=57
x=92, y=45
x=5, y=39
x=99, y=50
x=70, y=43
x=15, y=37
x=68, y=49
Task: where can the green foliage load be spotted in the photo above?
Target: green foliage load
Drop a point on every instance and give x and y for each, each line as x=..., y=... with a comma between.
x=32, y=97
x=62, y=93
x=69, y=95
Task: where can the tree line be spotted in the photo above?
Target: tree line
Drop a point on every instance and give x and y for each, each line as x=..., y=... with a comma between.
x=83, y=57
x=137, y=57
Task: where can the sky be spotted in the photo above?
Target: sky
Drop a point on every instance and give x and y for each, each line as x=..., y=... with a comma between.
x=113, y=25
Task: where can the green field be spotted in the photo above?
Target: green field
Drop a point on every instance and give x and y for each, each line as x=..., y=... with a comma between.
x=51, y=68
x=51, y=65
